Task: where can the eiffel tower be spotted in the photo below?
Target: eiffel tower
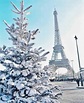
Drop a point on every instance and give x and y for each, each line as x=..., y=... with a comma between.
x=62, y=62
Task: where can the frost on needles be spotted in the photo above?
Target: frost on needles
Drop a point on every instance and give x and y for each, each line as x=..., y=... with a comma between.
x=24, y=80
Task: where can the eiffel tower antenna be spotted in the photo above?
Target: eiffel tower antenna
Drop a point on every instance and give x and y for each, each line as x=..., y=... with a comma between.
x=62, y=62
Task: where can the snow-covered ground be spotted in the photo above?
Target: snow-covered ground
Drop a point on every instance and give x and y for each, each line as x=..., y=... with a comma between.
x=71, y=94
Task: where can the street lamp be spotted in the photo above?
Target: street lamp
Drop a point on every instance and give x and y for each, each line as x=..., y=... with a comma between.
x=79, y=61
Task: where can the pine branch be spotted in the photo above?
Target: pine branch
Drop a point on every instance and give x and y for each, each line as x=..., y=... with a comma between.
x=6, y=23
x=31, y=44
x=28, y=8
x=45, y=53
x=34, y=32
x=29, y=37
x=15, y=7
x=41, y=50
x=16, y=12
x=22, y=6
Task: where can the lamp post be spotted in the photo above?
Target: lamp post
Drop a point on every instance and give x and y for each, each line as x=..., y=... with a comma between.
x=79, y=61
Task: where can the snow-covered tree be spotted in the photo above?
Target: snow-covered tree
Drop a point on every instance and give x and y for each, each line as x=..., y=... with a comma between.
x=23, y=80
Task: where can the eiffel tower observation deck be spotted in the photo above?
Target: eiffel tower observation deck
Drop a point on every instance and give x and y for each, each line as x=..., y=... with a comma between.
x=58, y=49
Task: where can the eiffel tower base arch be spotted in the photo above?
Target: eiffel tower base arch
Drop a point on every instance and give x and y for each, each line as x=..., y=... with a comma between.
x=66, y=76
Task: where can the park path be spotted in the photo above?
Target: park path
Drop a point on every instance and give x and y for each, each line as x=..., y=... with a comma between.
x=70, y=92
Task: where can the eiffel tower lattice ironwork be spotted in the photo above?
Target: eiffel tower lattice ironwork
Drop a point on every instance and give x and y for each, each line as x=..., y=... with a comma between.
x=59, y=49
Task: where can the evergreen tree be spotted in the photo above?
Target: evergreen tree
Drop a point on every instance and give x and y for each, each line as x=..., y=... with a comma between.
x=23, y=80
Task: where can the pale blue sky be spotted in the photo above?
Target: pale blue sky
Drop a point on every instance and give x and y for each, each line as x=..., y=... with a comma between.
x=70, y=19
